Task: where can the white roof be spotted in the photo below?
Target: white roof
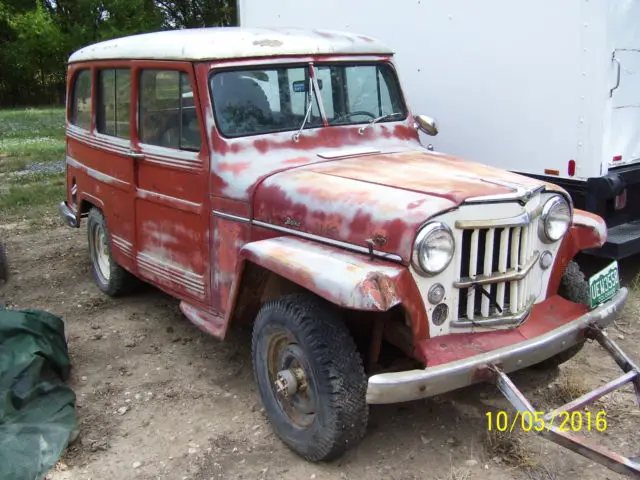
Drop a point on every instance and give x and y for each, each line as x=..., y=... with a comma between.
x=228, y=43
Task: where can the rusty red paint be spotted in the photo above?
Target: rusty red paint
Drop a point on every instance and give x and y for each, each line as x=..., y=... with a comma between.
x=167, y=212
x=544, y=317
x=235, y=168
x=297, y=161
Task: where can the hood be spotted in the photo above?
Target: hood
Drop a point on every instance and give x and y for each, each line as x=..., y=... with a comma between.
x=384, y=197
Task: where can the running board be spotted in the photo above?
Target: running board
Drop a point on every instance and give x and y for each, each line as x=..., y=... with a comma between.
x=547, y=429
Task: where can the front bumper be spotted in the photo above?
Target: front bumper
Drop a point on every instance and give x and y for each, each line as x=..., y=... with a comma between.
x=416, y=384
x=68, y=214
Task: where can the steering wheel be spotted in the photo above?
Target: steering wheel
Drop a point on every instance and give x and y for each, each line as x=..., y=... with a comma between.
x=351, y=114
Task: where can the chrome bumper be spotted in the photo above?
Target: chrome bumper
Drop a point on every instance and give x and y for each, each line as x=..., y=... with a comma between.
x=416, y=384
x=68, y=214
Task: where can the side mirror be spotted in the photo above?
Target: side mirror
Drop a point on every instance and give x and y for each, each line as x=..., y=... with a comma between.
x=427, y=124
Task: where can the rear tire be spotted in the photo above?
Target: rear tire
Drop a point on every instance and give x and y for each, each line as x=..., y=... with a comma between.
x=110, y=277
x=574, y=287
x=303, y=336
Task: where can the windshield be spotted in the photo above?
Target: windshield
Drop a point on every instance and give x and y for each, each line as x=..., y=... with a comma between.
x=275, y=99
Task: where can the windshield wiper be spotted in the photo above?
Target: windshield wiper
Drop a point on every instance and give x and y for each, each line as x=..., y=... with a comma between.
x=296, y=136
x=376, y=120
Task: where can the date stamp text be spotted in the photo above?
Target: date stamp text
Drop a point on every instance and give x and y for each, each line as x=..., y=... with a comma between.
x=577, y=421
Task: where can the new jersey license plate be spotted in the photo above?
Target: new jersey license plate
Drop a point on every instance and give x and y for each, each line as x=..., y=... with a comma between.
x=604, y=284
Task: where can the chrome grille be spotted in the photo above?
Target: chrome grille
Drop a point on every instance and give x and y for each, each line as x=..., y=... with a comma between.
x=496, y=260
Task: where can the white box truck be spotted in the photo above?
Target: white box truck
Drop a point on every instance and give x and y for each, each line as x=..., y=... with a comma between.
x=547, y=88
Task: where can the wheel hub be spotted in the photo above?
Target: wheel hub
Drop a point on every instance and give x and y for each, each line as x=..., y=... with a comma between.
x=290, y=381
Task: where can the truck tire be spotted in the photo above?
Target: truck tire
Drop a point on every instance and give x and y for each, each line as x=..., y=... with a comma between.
x=310, y=376
x=575, y=288
x=110, y=277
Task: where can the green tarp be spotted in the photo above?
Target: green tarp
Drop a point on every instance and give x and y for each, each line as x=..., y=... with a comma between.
x=37, y=410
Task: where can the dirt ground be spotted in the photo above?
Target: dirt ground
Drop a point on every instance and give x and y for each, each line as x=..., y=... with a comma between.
x=159, y=399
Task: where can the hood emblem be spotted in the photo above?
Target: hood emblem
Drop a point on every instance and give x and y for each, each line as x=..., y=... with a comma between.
x=291, y=222
x=520, y=193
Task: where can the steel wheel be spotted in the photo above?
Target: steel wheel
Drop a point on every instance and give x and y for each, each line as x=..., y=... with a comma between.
x=310, y=376
x=110, y=277
x=293, y=385
x=101, y=253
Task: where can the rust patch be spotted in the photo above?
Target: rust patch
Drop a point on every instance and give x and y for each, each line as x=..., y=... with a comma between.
x=235, y=168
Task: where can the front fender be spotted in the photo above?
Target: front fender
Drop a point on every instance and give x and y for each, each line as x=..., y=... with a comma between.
x=346, y=279
x=587, y=231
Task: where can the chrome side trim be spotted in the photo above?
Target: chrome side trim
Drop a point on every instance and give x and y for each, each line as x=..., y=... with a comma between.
x=335, y=243
x=416, y=384
x=514, y=320
x=521, y=193
x=508, y=276
x=309, y=236
x=228, y=216
x=521, y=220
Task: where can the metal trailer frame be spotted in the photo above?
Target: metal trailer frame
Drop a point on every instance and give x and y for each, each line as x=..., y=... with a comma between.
x=545, y=428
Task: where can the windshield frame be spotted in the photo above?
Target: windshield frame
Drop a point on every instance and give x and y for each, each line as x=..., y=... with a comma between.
x=311, y=65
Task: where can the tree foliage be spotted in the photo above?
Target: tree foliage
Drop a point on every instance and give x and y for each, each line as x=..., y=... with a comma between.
x=37, y=36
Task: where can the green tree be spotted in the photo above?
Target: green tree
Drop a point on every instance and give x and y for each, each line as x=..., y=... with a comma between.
x=198, y=13
x=37, y=36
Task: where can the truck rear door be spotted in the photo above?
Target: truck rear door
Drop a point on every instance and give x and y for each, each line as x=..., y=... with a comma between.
x=622, y=141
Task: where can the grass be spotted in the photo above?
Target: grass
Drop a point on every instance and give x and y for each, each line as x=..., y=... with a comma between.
x=568, y=388
x=27, y=136
x=25, y=191
x=30, y=135
x=510, y=449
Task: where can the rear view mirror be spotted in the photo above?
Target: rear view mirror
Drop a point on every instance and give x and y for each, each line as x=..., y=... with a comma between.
x=302, y=86
x=426, y=124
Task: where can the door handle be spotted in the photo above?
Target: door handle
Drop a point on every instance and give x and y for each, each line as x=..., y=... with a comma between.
x=614, y=59
x=135, y=155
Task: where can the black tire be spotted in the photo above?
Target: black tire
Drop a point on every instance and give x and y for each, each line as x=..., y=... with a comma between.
x=110, y=277
x=574, y=287
x=303, y=332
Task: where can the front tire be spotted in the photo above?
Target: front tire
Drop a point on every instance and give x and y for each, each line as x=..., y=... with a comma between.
x=310, y=376
x=110, y=277
x=574, y=287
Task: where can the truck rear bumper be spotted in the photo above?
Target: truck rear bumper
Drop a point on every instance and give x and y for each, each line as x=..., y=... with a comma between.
x=622, y=241
x=542, y=337
x=68, y=214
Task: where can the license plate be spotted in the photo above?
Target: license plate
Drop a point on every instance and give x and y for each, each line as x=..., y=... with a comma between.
x=604, y=285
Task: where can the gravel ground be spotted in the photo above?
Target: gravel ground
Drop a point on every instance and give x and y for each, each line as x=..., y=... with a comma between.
x=159, y=399
x=42, y=167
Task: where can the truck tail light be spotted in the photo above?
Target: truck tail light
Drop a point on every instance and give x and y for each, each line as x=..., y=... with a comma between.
x=571, y=168
x=621, y=200
x=617, y=158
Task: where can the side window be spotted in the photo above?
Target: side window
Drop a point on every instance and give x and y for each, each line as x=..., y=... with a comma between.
x=167, y=110
x=81, y=100
x=114, y=100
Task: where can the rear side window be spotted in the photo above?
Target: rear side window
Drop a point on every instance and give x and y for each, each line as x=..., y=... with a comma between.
x=167, y=110
x=114, y=101
x=81, y=103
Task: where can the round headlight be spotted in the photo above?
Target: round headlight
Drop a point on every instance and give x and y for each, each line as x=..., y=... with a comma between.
x=433, y=248
x=555, y=219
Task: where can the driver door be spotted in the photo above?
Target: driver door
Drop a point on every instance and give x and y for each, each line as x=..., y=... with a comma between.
x=171, y=164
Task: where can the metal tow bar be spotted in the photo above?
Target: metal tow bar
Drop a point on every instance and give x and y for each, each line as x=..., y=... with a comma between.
x=545, y=428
